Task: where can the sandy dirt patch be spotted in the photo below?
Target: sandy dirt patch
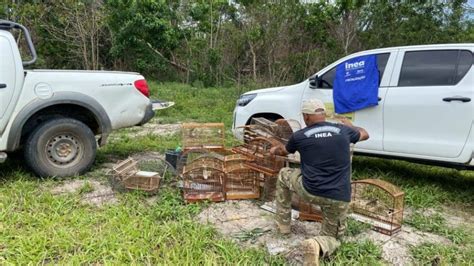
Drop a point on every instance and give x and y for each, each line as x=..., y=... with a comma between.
x=158, y=129
x=396, y=248
x=96, y=193
x=153, y=128
x=247, y=224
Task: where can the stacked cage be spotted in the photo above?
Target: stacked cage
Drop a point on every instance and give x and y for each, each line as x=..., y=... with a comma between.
x=200, y=139
x=208, y=136
x=285, y=129
x=260, y=160
x=258, y=151
x=378, y=203
x=259, y=137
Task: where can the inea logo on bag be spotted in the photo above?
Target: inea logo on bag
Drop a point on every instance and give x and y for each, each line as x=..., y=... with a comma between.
x=355, y=65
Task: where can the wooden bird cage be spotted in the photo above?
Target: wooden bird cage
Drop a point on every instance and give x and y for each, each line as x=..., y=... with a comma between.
x=203, y=182
x=188, y=156
x=269, y=187
x=208, y=136
x=144, y=175
x=208, y=160
x=281, y=129
x=241, y=181
x=378, y=203
x=285, y=129
x=263, y=125
x=309, y=211
x=260, y=159
x=237, y=159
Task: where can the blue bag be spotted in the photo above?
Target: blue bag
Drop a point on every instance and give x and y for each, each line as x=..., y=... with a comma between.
x=356, y=84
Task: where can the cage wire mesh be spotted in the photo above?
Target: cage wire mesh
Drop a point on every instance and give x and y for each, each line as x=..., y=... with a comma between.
x=280, y=129
x=260, y=159
x=203, y=136
x=203, y=182
x=307, y=210
x=189, y=156
x=285, y=129
x=241, y=181
x=378, y=203
x=143, y=175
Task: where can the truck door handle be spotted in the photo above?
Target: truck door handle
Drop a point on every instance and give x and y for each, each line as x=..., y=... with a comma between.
x=457, y=98
x=3, y=86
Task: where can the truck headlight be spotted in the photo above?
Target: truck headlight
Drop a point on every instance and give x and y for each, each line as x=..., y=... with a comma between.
x=245, y=99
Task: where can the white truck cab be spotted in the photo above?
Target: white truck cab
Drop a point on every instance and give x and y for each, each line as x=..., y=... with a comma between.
x=425, y=111
x=54, y=116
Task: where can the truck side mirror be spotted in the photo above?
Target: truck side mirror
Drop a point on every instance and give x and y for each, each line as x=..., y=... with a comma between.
x=314, y=82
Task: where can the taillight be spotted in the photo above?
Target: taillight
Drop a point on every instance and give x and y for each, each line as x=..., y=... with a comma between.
x=142, y=86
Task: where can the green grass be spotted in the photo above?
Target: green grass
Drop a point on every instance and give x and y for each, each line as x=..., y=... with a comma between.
x=357, y=253
x=425, y=253
x=355, y=227
x=436, y=224
x=196, y=104
x=37, y=227
x=424, y=186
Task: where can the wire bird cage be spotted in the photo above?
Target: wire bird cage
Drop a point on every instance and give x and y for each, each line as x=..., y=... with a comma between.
x=143, y=175
x=188, y=156
x=281, y=129
x=378, y=203
x=234, y=158
x=260, y=159
x=241, y=181
x=263, y=126
x=203, y=179
x=208, y=136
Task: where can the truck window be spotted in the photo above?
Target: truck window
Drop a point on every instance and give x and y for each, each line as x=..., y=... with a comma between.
x=434, y=68
x=328, y=77
x=465, y=63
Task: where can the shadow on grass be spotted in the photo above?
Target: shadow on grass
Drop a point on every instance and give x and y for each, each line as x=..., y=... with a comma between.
x=15, y=168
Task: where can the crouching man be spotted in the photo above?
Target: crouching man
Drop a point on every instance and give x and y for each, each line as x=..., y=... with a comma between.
x=324, y=177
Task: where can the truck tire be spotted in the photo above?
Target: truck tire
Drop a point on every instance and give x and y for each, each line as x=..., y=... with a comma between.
x=60, y=147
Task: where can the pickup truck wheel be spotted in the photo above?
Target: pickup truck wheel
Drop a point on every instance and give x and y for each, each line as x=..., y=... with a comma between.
x=60, y=147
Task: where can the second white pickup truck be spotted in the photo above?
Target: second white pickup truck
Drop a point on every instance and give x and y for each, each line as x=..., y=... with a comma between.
x=55, y=115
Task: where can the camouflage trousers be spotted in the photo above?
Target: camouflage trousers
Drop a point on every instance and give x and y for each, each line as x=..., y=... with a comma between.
x=334, y=211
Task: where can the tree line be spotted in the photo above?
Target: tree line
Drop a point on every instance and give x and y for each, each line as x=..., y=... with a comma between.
x=229, y=42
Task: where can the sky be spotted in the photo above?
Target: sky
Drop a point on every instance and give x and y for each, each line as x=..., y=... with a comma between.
x=471, y=5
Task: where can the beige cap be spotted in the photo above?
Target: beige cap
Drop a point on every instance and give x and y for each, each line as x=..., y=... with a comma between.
x=310, y=106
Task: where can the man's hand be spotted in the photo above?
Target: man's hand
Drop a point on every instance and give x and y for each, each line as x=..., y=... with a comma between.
x=363, y=133
x=345, y=121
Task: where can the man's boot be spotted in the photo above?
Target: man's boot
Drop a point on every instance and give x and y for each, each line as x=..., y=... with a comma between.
x=311, y=251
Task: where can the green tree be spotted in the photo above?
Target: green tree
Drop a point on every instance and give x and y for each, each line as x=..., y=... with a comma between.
x=144, y=34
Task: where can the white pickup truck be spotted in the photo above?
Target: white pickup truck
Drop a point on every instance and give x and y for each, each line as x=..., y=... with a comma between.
x=425, y=110
x=54, y=116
